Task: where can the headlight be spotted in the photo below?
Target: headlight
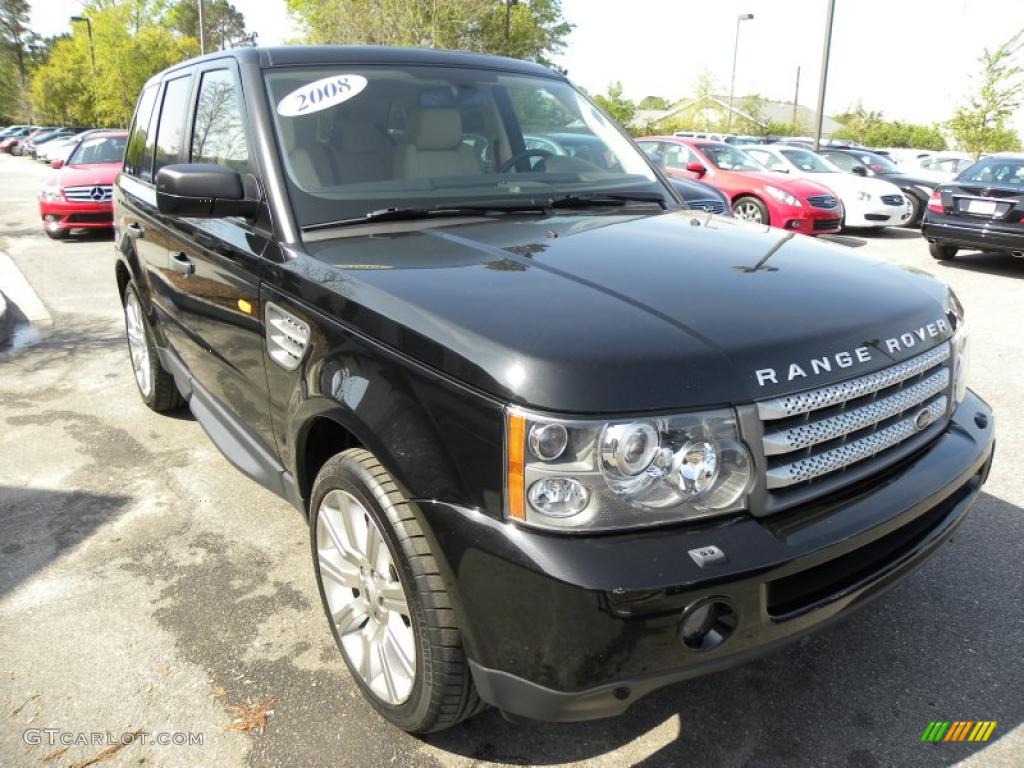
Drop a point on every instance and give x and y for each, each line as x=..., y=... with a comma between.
x=781, y=195
x=51, y=193
x=961, y=351
x=864, y=196
x=587, y=475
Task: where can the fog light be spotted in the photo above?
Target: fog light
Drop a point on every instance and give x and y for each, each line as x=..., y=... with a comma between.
x=559, y=496
x=707, y=623
x=794, y=224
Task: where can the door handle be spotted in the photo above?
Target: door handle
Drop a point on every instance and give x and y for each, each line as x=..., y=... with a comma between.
x=134, y=231
x=181, y=263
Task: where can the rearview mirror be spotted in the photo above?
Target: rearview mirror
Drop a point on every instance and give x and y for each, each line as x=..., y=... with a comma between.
x=697, y=168
x=202, y=190
x=57, y=164
x=860, y=170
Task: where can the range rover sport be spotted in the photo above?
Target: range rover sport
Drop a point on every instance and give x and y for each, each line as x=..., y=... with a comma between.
x=560, y=440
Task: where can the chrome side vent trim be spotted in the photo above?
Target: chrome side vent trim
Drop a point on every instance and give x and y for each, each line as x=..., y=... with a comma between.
x=287, y=337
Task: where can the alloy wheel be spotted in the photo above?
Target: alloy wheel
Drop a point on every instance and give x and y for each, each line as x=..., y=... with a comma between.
x=748, y=212
x=365, y=597
x=137, y=343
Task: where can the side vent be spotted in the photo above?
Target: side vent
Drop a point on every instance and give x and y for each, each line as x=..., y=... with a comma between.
x=287, y=337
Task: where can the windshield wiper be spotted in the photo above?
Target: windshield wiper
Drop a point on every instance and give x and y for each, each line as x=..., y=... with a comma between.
x=586, y=199
x=408, y=214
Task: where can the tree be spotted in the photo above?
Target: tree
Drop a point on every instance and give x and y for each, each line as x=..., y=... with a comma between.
x=527, y=29
x=981, y=125
x=223, y=24
x=653, y=102
x=618, y=107
x=14, y=33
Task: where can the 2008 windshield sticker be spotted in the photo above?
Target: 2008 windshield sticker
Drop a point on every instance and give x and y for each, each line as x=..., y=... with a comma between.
x=320, y=94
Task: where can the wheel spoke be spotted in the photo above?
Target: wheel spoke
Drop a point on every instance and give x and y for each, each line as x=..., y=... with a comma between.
x=352, y=538
x=349, y=618
x=399, y=653
x=393, y=598
x=335, y=533
x=337, y=574
x=365, y=668
x=371, y=547
x=385, y=668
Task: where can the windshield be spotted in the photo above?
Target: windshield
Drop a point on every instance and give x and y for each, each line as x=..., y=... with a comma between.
x=358, y=139
x=995, y=171
x=102, y=149
x=808, y=162
x=728, y=158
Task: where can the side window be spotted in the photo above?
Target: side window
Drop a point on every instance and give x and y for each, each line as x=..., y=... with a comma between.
x=677, y=156
x=218, y=135
x=767, y=159
x=172, y=121
x=652, y=149
x=140, y=130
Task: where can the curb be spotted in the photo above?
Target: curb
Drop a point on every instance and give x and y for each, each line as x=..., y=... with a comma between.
x=18, y=296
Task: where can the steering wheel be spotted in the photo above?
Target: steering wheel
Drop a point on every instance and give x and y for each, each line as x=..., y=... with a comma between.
x=508, y=164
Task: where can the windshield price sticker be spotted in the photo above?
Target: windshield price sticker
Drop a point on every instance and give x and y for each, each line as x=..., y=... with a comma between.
x=321, y=94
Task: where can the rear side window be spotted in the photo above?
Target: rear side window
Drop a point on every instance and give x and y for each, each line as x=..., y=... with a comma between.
x=219, y=133
x=172, y=121
x=140, y=130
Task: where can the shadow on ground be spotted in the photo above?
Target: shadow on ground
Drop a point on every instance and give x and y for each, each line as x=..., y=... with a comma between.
x=945, y=645
x=1001, y=264
x=37, y=526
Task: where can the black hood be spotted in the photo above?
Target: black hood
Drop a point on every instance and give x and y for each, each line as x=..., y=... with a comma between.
x=606, y=313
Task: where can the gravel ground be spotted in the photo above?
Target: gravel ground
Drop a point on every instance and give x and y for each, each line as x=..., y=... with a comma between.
x=144, y=583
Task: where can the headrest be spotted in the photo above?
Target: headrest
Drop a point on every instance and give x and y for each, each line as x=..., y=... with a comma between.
x=358, y=136
x=435, y=128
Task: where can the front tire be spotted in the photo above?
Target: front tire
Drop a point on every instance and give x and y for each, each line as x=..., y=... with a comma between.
x=156, y=385
x=914, y=220
x=750, y=209
x=385, y=601
x=941, y=252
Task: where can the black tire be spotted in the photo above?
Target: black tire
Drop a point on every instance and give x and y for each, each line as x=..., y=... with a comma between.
x=442, y=693
x=914, y=220
x=747, y=203
x=56, y=234
x=163, y=394
x=942, y=252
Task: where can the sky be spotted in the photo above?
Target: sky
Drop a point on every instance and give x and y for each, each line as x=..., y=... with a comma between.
x=910, y=59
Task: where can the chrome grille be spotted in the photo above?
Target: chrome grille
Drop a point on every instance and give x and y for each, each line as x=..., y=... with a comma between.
x=892, y=199
x=823, y=201
x=95, y=194
x=813, y=434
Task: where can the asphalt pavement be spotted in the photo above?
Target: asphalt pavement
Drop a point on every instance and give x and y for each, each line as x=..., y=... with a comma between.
x=145, y=584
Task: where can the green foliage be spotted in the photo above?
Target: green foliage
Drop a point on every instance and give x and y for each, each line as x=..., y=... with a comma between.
x=527, y=29
x=653, y=102
x=618, y=107
x=894, y=133
x=223, y=24
x=129, y=46
x=981, y=125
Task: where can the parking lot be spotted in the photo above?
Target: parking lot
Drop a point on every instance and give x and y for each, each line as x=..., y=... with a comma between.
x=145, y=584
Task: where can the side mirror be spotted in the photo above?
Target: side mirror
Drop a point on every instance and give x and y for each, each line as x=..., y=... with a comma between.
x=697, y=168
x=203, y=191
x=57, y=164
x=860, y=170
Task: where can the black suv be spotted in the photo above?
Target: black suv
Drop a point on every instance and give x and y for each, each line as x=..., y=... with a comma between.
x=982, y=208
x=560, y=440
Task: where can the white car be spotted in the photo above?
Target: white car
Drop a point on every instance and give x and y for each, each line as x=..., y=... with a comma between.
x=868, y=202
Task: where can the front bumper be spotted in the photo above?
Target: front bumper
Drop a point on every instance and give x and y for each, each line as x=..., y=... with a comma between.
x=877, y=215
x=807, y=219
x=62, y=214
x=965, y=232
x=566, y=628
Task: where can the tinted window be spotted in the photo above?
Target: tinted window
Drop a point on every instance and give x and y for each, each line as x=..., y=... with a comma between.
x=219, y=133
x=172, y=121
x=140, y=129
x=1009, y=172
x=846, y=162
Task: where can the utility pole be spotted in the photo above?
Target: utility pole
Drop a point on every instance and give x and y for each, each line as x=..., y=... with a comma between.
x=508, y=23
x=826, y=50
x=202, y=33
x=88, y=26
x=796, y=99
x=735, y=50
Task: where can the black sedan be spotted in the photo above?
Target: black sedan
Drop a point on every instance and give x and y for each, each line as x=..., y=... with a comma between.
x=866, y=163
x=981, y=208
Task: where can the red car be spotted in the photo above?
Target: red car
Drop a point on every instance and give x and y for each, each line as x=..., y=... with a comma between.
x=79, y=194
x=756, y=194
x=11, y=139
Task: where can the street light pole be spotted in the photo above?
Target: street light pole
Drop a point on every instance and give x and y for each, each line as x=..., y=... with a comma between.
x=88, y=26
x=826, y=50
x=202, y=32
x=735, y=51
